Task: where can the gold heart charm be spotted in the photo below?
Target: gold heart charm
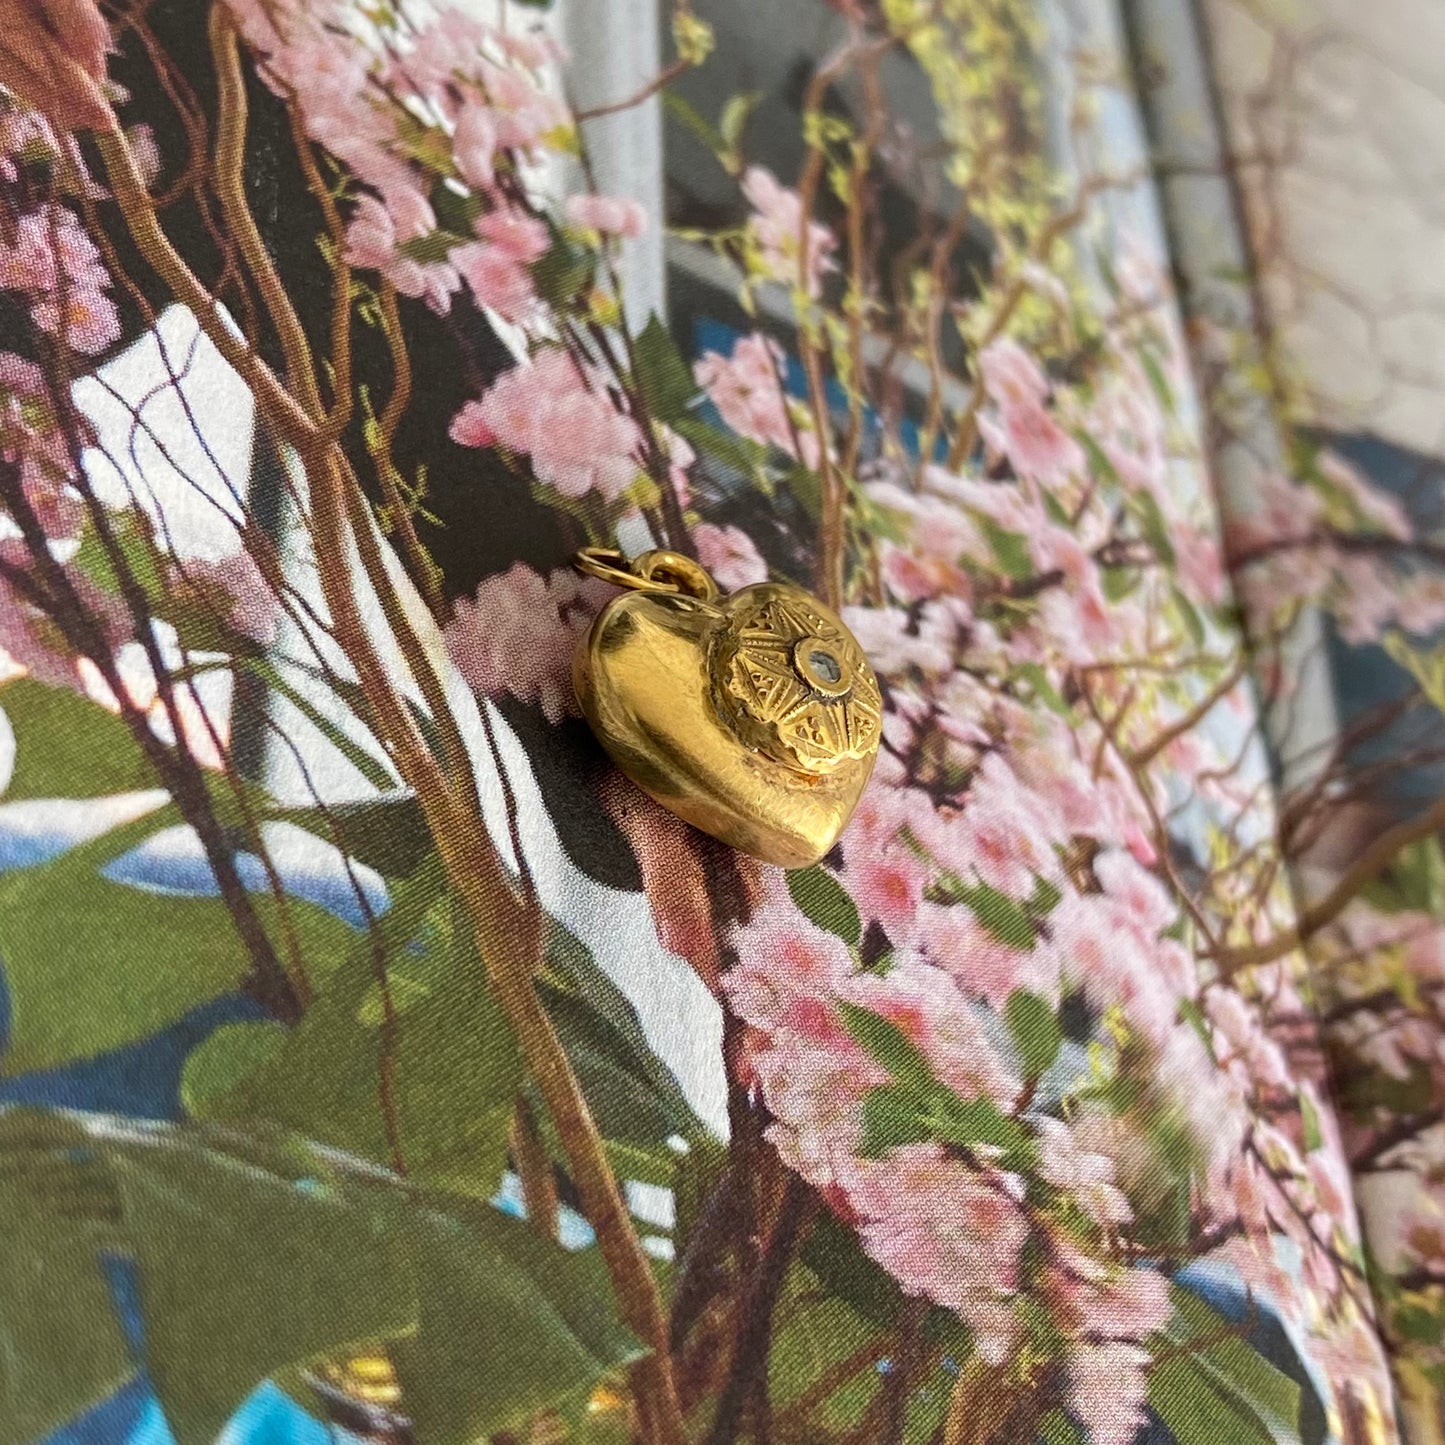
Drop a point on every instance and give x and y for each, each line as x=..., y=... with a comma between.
x=754, y=717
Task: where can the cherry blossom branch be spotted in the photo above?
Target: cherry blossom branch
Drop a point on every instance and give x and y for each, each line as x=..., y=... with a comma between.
x=660, y=81
x=1196, y=715
x=1375, y=859
x=965, y=435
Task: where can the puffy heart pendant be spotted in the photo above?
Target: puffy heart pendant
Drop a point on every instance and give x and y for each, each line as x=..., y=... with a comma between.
x=754, y=717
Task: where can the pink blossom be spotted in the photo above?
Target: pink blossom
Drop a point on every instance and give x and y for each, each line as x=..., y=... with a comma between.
x=937, y=528
x=911, y=576
x=1001, y=837
x=518, y=633
x=1105, y=955
x=778, y=230
x=984, y=966
x=746, y=388
x=1011, y=377
x=887, y=884
x=56, y=265
x=378, y=232
x=1421, y=604
x=522, y=237
x=31, y=437
x=1087, y=1178
x=729, y=554
x=1200, y=563
x=563, y=417
x=611, y=215
x=1365, y=597
x=1035, y=444
x=783, y=958
x=899, y=642
x=496, y=279
x=1108, y=1388
x=1283, y=511
x=234, y=587
x=948, y=1234
x=926, y=1005
x=1376, y=509
x=474, y=144
x=1141, y=894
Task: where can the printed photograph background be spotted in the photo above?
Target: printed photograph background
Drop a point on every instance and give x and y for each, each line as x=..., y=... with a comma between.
x=378, y=1064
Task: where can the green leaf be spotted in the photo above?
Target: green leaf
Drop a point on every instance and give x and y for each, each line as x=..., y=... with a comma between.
x=893, y=1116
x=1035, y=1029
x=561, y=273
x=67, y=746
x=1007, y=920
x=1314, y=1137
x=1044, y=690
x=433, y=246
x=388, y=833
x=61, y=1347
x=741, y=454
x=111, y=975
x=735, y=115
x=888, y=1045
x=139, y=556
x=232, y=1053
x=1415, y=1322
x=815, y=1332
x=1046, y=897
x=244, y=1271
x=1010, y=550
x=803, y=485
x=664, y=378
x=1212, y=1385
x=634, y=1095
x=1118, y=582
x=688, y=116
x=1189, y=615
x=450, y=1057
x=1154, y=527
x=916, y=1105
x=825, y=902
x=258, y=1253
x=505, y=1330
x=1160, y=383
x=1185, y=1395
x=833, y=1252
x=1057, y=1429
x=1414, y=880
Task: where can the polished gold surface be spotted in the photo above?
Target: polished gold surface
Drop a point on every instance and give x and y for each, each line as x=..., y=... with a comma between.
x=755, y=717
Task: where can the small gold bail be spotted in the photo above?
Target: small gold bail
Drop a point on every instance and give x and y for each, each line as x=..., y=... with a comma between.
x=659, y=570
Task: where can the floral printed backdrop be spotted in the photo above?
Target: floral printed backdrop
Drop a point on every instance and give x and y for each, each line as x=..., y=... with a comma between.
x=377, y=1063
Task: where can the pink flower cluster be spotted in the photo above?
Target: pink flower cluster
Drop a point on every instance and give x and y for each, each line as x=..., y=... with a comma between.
x=788, y=248
x=1022, y=427
x=1010, y=858
x=747, y=389
x=965, y=1228
x=489, y=111
x=1336, y=543
x=729, y=554
x=516, y=635
x=562, y=416
x=54, y=265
